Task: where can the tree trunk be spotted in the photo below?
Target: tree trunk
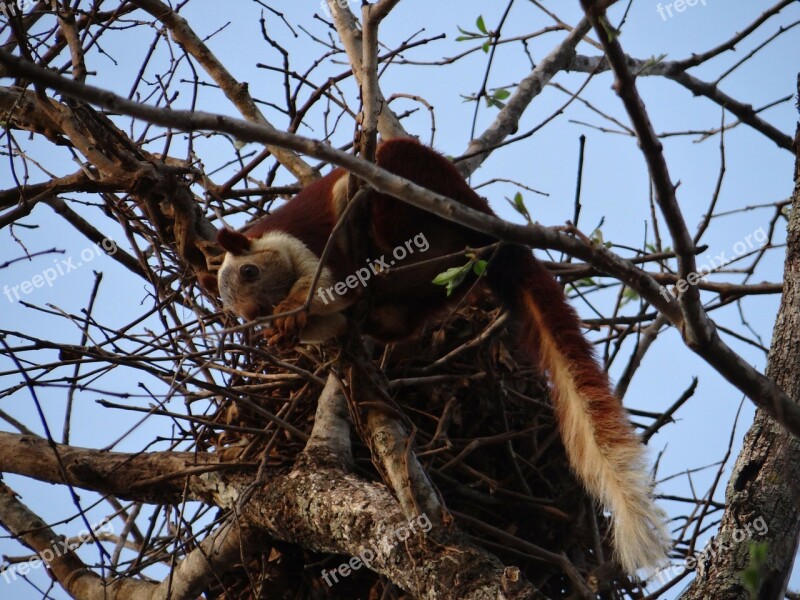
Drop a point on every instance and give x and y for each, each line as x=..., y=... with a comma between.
x=762, y=514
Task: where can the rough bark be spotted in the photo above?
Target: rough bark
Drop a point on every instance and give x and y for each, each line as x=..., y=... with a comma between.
x=765, y=483
x=316, y=506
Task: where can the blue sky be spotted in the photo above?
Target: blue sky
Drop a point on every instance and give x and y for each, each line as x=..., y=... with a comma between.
x=615, y=190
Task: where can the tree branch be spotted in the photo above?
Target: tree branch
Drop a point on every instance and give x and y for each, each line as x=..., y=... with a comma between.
x=507, y=120
x=318, y=507
x=212, y=557
x=673, y=70
x=762, y=391
x=389, y=125
x=235, y=91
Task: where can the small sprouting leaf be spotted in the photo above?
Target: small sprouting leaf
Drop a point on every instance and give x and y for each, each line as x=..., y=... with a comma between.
x=446, y=276
x=481, y=25
x=496, y=98
x=467, y=35
x=596, y=236
x=628, y=295
x=518, y=204
x=453, y=277
x=585, y=282
x=492, y=101
x=485, y=47
x=652, y=62
x=611, y=32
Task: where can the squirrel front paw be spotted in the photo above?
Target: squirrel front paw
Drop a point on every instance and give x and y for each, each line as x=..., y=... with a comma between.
x=288, y=327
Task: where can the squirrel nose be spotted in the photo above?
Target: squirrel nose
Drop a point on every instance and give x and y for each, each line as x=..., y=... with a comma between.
x=250, y=311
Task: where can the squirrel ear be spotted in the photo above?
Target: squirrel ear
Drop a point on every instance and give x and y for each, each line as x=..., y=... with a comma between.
x=234, y=242
x=208, y=281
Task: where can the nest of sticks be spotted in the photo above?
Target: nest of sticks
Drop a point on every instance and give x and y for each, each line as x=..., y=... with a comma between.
x=484, y=430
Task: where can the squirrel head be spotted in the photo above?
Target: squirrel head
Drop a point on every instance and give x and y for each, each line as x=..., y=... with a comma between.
x=256, y=274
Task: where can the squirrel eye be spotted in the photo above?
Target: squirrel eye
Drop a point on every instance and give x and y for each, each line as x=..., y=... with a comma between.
x=249, y=271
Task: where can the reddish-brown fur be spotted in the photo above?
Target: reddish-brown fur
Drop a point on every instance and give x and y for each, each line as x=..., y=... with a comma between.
x=310, y=217
x=599, y=441
x=513, y=273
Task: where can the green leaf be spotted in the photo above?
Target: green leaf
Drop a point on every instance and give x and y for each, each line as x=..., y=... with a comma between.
x=467, y=35
x=485, y=47
x=518, y=204
x=628, y=295
x=445, y=277
x=611, y=32
x=585, y=282
x=652, y=62
x=492, y=101
x=453, y=277
x=501, y=94
x=481, y=25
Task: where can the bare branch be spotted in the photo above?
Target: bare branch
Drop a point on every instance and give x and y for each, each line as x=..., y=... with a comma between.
x=389, y=125
x=508, y=118
x=705, y=341
x=235, y=91
x=321, y=508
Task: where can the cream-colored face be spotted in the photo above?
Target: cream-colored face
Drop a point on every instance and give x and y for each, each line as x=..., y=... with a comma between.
x=267, y=272
x=251, y=284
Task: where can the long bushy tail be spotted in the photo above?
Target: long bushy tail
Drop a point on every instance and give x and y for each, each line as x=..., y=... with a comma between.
x=601, y=445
